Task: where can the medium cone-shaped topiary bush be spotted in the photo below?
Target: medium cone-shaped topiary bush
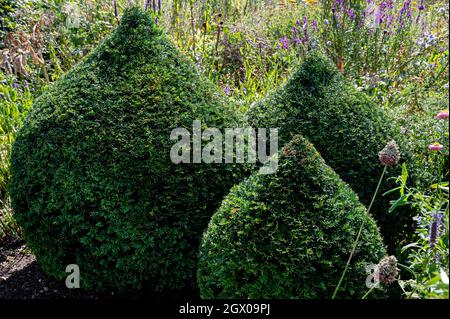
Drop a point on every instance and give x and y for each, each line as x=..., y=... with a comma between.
x=345, y=126
x=288, y=235
x=92, y=179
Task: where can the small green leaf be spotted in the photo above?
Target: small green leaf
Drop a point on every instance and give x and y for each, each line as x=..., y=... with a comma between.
x=399, y=202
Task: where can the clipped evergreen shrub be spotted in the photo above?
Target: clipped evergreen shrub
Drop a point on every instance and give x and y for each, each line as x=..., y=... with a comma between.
x=346, y=127
x=289, y=234
x=92, y=180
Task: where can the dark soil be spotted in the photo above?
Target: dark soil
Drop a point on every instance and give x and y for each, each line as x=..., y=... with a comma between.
x=21, y=277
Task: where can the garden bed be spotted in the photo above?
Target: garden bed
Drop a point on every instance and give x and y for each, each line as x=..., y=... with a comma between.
x=21, y=277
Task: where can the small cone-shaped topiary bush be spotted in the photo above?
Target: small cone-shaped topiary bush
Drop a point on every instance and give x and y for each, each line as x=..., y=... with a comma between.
x=345, y=126
x=288, y=235
x=92, y=179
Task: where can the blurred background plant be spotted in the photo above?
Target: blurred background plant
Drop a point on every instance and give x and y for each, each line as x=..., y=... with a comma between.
x=249, y=46
x=15, y=101
x=395, y=51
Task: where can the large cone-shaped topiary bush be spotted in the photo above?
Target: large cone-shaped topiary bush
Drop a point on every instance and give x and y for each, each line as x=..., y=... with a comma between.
x=92, y=179
x=345, y=126
x=288, y=235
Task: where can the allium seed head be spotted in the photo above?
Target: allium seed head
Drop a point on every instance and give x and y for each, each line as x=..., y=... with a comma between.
x=390, y=154
x=386, y=271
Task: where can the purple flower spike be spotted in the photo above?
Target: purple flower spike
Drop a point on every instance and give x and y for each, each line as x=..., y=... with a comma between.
x=379, y=17
x=305, y=23
x=285, y=42
x=421, y=6
x=436, y=220
x=360, y=23
x=116, y=11
x=389, y=21
x=351, y=14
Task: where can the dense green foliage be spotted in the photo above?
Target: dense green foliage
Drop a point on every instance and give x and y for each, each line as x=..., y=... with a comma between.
x=92, y=180
x=288, y=235
x=6, y=23
x=344, y=125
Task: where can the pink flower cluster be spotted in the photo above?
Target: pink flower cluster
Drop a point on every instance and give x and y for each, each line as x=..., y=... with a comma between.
x=435, y=147
x=442, y=115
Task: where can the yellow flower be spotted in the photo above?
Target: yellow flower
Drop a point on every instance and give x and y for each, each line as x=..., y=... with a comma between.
x=311, y=2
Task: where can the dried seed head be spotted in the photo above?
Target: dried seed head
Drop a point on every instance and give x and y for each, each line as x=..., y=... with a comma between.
x=386, y=271
x=390, y=154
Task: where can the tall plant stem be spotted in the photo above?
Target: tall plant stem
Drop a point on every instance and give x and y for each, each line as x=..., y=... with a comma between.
x=358, y=236
x=368, y=292
x=192, y=26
